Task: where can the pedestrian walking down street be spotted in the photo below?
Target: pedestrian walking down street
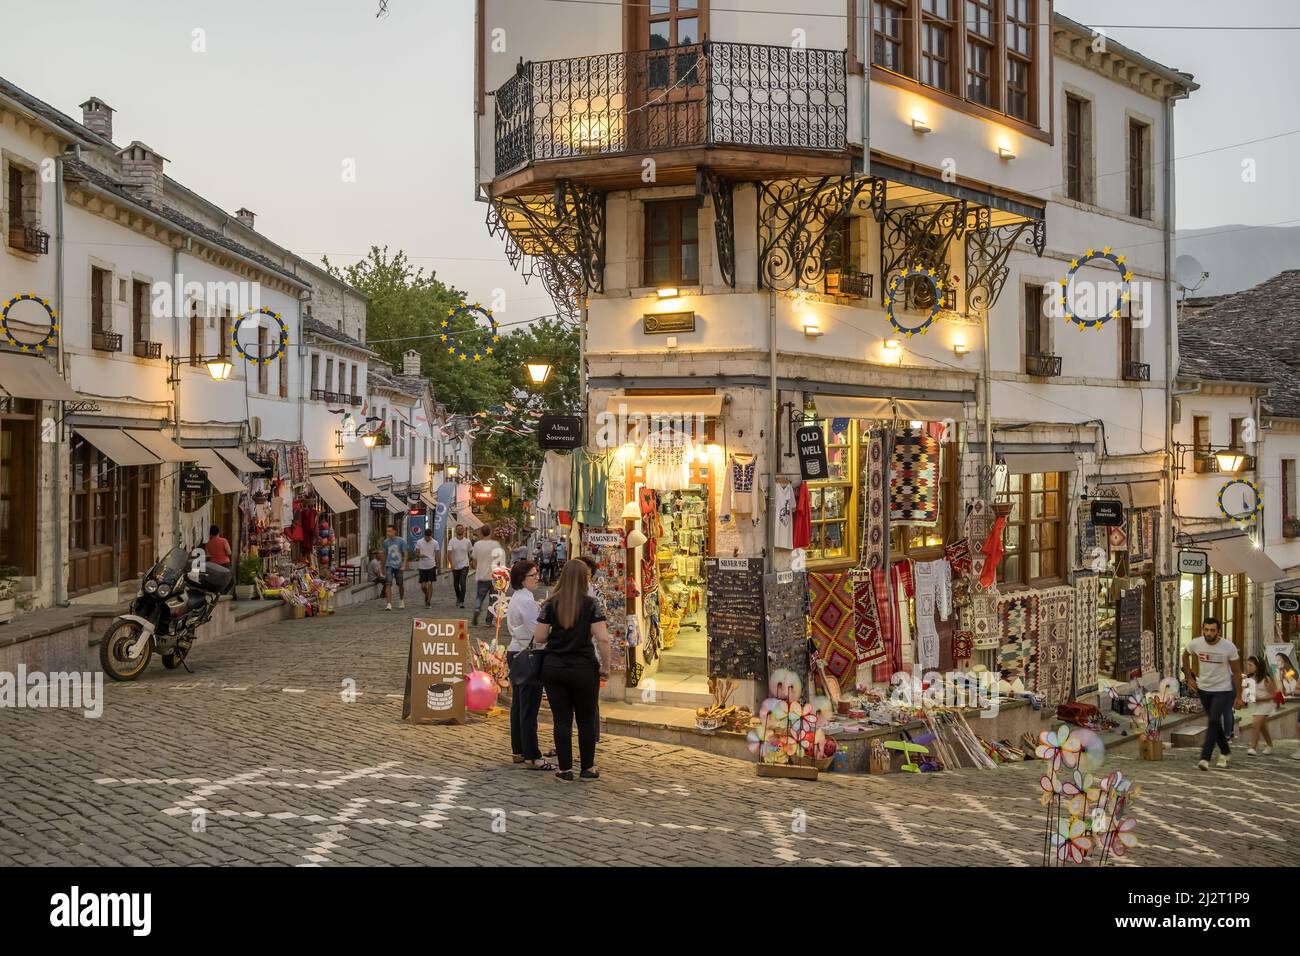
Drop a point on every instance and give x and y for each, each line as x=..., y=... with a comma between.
x=1212, y=669
x=458, y=549
x=427, y=553
x=377, y=575
x=1260, y=707
x=521, y=621
x=486, y=555
x=395, y=567
x=573, y=667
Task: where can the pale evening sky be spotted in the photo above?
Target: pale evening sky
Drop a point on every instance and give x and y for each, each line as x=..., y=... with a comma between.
x=288, y=90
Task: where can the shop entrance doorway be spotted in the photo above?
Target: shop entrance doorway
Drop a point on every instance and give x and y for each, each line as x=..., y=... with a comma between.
x=680, y=549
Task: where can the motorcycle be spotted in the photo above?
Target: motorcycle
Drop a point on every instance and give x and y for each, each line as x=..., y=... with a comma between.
x=176, y=596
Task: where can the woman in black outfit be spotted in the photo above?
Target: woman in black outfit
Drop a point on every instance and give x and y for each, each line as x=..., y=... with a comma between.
x=572, y=669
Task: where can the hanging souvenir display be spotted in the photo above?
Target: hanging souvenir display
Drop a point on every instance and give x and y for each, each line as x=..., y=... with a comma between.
x=914, y=478
x=875, y=518
x=785, y=620
x=1086, y=589
x=831, y=610
x=1054, y=649
x=734, y=618
x=868, y=640
x=1018, y=631
x=608, y=548
x=741, y=495
x=933, y=582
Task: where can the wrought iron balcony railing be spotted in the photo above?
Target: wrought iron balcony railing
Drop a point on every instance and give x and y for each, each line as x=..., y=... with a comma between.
x=106, y=341
x=323, y=395
x=1137, y=372
x=849, y=283
x=705, y=94
x=1043, y=366
x=146, y=350
x=30, y=239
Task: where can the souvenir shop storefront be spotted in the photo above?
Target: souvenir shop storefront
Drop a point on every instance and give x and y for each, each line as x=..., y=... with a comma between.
x=1235, y=571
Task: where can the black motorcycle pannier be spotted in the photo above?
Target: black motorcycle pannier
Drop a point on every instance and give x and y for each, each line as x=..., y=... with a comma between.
x=214, y=579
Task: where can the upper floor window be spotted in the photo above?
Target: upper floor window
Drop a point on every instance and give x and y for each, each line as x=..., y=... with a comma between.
x=674, y=23
x=139, y=310
x=672, y=243
x=1201, y=433
x=936, y=43
x=1019, y=33
x=23, y=206
x=101, y=306
x=889, y=19
x=1075, y=113
x=1038, y=333
x=261, y=366
x=981, y=51
x=223, y=340
x=1139, y=158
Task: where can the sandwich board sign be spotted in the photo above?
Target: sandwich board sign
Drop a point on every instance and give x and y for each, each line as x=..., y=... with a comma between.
x=437, y=665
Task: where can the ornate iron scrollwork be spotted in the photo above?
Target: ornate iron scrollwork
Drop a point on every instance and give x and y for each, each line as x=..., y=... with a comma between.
x=919, y=235
x=987, y=251
x=560, y=239
x=794, y=218
x=721, y=191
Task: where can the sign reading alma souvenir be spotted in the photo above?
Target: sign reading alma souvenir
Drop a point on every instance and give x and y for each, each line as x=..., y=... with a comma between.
x=437, y=663
x=812, y=452
x=559, y=431
x=1108, y=512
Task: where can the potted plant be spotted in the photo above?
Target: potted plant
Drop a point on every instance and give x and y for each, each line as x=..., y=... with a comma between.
x=9, y=601
x=246, y=577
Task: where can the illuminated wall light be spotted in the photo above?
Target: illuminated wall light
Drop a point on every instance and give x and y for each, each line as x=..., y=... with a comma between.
x=960, y=348
x=1005, y=152
x=811, y=328
x=918, y=126
x=668, y=293
x=893, y=350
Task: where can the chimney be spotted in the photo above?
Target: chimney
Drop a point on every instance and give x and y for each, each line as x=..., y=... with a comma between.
x=245, y=216
x=96, y=115
x=142, y=172
x=411, y=362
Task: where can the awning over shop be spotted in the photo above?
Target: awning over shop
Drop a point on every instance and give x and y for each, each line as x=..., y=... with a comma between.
x=429, y=502
x=469, y=519
x=335, y=498
x=710, y=406
x=1039, y=464
x=223, y=479
x=1138, y=494
x=237, y=458
x=395, y=504
x=30, y=376
x=873, y=407
x=162, y=446
x=361, y=481
x=1238, y=555
x=117, y=445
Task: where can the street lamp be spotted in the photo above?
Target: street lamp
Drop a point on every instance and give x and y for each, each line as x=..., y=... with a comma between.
x=539, y=370
x=219, y=367
x=368, y=440
x=453, y=471
x=1230, y=460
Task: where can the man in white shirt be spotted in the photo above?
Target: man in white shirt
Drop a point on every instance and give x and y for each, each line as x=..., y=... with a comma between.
x=1212, y=669
x=486, y=555
x=426, y=555
x=458, y=560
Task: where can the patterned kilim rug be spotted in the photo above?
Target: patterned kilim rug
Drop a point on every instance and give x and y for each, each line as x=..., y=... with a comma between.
x=1054, y=653
x=981, y=619
x=1149, y=653
x=831, y=610
x=914, y=478
x=1018, y=632
x=1085, y=633
x=1168, y=623
x=875, y=534
x=868, y=641
x=979, y=522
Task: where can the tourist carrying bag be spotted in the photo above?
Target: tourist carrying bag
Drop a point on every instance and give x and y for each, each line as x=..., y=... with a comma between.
x=526, y=668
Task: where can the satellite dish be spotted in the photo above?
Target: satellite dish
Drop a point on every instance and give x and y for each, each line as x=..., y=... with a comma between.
x=1189, y=272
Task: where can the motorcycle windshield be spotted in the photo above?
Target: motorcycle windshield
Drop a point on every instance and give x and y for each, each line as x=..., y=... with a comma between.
x=170, y=567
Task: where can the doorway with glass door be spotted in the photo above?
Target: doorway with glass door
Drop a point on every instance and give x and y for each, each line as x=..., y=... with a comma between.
x=666, y=73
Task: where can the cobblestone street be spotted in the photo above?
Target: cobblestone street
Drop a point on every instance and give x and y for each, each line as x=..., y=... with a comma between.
x=256, y=758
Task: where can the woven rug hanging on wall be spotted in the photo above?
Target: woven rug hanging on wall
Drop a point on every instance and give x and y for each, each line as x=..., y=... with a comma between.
x=831, y=611
x=979, y=522
x=914, y=478
x=868, y=640
x=875, y=524
x=1168, y=624
x=1018, y=624
x=1085, y=634
x=981, y=619
x=1054, y=652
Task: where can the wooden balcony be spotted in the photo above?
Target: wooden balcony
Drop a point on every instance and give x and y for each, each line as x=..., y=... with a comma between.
x=146, y=350
x=748, y=108
x=1042, y=365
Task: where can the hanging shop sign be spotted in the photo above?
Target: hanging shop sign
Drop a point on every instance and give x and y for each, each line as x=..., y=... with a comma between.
x=559, y=431
x=1193, y=562
x=666, y=322
x=812, y=452
x=1286, y=603
x=194, y=479
x=46, y=338
x=1108, y=512
x=604, y=539
x=435, y=672
x=1126, y=294
x=474, y=312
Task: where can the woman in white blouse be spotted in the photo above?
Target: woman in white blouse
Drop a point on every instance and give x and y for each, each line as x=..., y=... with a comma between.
x=521, y=620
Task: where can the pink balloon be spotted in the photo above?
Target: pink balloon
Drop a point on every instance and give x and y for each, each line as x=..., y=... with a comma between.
x=480, y=692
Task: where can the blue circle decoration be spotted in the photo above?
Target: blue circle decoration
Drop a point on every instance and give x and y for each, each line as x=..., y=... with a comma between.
x=1243, y=515
x=475, y=312
x=281, y=346
x=50, y=333
x=1092, y=255
x=896, y=283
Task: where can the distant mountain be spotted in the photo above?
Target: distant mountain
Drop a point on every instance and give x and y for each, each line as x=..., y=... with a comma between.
x=1238, y=257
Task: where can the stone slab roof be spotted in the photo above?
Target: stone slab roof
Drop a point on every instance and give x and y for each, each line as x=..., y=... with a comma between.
x=316, y=326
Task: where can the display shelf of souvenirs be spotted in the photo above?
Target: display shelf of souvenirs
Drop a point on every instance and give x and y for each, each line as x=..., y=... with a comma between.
x=307, y=592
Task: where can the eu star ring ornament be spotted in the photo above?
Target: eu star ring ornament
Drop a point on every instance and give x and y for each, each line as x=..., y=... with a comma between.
x=475, y=312
x=1106, y=254
x=50, y=333
x=899, y=282
x=282, y=343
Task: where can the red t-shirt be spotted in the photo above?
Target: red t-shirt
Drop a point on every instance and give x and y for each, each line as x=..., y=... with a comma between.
x=218, y=550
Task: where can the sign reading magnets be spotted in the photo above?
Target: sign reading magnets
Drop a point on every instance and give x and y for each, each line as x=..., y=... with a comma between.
x=52, y=331
x=282, y=343
x=1251, y=511
x=899, y=282
x=474, y=311
x=1092, y=255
